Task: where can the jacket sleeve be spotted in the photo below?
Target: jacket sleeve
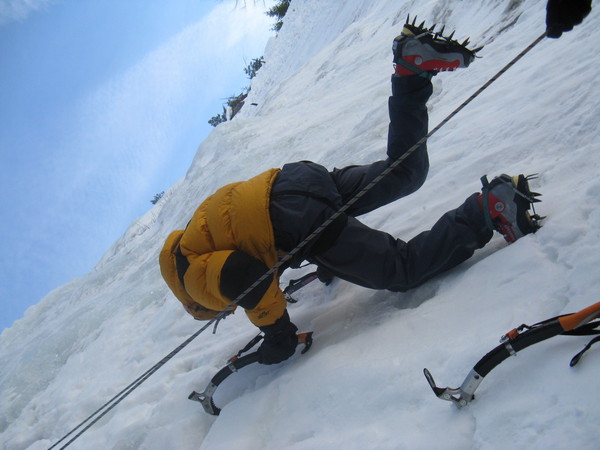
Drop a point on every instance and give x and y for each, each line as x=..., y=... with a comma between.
x=241, y=271
x=264, y=304
x=216, y=279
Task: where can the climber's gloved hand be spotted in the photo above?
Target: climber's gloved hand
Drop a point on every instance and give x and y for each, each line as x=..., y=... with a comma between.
x=280, y=341
x=563, y=15
x=324, y=275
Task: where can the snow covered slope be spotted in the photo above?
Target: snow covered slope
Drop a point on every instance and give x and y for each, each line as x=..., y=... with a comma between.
x=322, y=96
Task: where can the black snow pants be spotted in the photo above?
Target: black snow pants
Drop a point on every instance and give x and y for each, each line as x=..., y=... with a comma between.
x=305, y=194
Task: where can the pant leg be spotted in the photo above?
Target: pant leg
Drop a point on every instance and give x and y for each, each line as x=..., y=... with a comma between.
x=375, y=259
x=302, y=198
x=408, y=124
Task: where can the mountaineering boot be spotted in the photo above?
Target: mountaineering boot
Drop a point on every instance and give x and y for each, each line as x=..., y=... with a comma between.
x=506, y=202
x=424, y=52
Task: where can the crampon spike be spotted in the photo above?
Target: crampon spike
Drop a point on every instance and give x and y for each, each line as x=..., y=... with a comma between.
x=422, y=25
x=464, y=44
x=535, y=197
x=451, y=35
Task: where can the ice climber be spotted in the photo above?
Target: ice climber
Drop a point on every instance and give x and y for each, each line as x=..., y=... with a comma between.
x=242, y=230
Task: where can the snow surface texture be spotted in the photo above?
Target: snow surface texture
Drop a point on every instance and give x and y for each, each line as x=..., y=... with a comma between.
x=322, y=96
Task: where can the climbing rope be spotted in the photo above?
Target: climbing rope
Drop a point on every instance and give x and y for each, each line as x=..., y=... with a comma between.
x=104, y=409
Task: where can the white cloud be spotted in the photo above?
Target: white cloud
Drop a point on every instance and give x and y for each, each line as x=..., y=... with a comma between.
x=128, y=127
x=18, y=10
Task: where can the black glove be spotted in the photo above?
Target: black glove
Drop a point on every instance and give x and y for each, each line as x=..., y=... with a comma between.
x=324, y=275
x=280, y=341
x=563, y=15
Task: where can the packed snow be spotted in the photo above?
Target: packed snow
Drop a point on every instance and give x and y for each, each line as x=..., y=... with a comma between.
x=322, y=96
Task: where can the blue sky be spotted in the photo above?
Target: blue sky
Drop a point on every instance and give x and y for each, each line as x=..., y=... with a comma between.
x=102, y=105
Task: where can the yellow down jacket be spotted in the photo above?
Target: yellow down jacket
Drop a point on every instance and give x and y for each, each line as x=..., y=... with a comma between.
x=236, y=217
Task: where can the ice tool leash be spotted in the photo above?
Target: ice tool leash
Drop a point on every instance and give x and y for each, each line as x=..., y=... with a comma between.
x=234, y=364
x=582, y=323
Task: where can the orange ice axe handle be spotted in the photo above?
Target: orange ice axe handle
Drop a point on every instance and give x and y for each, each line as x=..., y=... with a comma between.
x=575, y=320
x=306, y=340
x=578, y=323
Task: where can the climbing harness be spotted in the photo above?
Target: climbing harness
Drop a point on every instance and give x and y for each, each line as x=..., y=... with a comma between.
x=234, y=364
x=581, y=323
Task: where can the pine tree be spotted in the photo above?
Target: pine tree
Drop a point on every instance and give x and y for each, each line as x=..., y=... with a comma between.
x=279, y=11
